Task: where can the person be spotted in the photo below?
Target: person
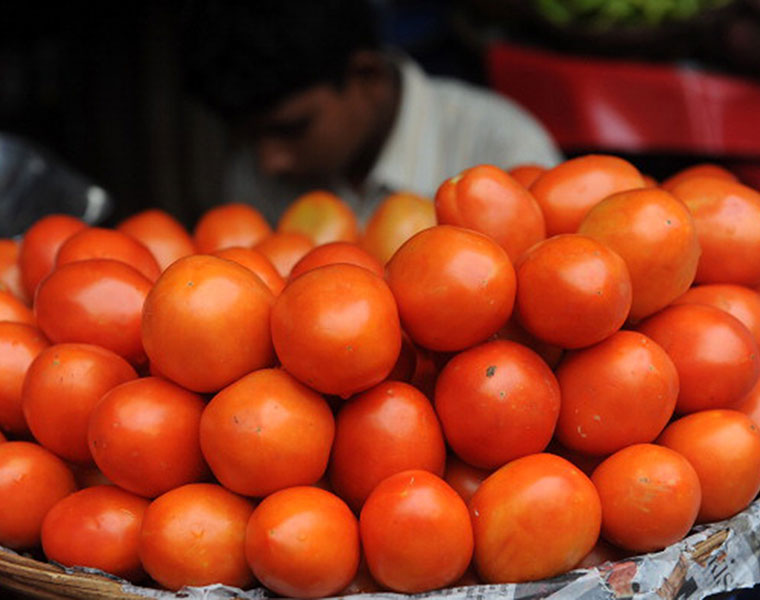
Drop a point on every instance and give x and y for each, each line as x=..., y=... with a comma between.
x=313, y=100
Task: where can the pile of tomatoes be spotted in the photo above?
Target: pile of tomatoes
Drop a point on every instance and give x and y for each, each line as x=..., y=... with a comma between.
x=539, y=370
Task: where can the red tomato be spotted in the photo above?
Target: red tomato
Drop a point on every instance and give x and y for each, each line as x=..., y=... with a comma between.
x=194, y=535
x=526, y=174
x=715, y=355
x=96, y=301
x=62, y=385
x=303, y=542
x=336, y=329
x=497, y=402
x=463, y=478
x=650, y=497
x=572, y=291
x=415, y=532
x=284, y=250
x=13, y=309
x=621, y=391
x=10, y=272
x=40, y=245
x=337, y=252
x=258, y=263
x=322, y=217
x=455, y=287
x=656, y=236
x=19, y=345
x=535, y=517
x=700, y=170
x=97, y=242
x=144, y=436
x=266, y=432
x=229, y=225
x=387, y=429
x=723, y=446
x=32, y=480
x=161, y=233
x=514, y=332
x=567, y=192
x=98, y=527
x=485, y=198
x=205, y=323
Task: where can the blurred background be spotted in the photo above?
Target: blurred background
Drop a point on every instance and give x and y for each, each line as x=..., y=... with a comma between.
x=663, y=83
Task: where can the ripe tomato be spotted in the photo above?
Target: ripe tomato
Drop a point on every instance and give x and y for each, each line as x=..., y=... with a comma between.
x=566, y=192
x=715, y=355
x=97, y=242
x=10, y=272
x=395, y=220
x=19, y=345
x=322, y=217
x=228, y=225
x=13, y=309
x=303, y=542
x=32, y=480
x=205, y=323
x=387, y=429
x=656, y=236
x=161, y=233
x=415, y=532
x=727, y=216
x=454, y=287
x=97, y=527
x=336, y=329
x=62, y=385
x=258, y=263
x=194, y=535
x=144, y=436
x=535, y=517
x=514, y=332
x=253, y=453
x=284, y=250
x=496, y=402
x=40, y=245
x=650, y=497
x=723, y=446
x=700, y=170
x=463, y=478
x=485, y=198
x=621, y=391
x=337, y=252
x=526, y=174
x=572, y=291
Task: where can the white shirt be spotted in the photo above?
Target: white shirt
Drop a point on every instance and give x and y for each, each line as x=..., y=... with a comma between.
x=443, y=126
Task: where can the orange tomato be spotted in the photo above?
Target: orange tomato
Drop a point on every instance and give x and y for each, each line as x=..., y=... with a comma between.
x=526, y=174
x=454, y=287
x=284, y=250
x=13, y=309
x=258, y=263
x=161, y=233
x=229, y=225
x=10, y=272
x=463, y=478
x=700, y=170
x=322, y=217
x=566, y=192
x=337, y=252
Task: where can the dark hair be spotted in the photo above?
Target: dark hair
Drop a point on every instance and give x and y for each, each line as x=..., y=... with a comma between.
x=243, y=56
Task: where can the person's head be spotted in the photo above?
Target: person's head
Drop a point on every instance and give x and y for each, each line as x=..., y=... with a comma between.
x=304, y=81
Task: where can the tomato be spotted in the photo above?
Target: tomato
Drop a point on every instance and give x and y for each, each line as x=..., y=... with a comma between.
x=336, y=329
x=415, y=532
x=385, y=430
x=19, y=345
x=567, y=192
x=161, y=233
x=194, y=535
x=205, y=323
x=526, y=174
x=535, y=517
x=97, y=527
x=13, y=309
x=337, y=252
x=487, y=199
x=727, y=216
x=10, y=272
x=497, y=401
x=572, y=291
x=258, y=263
x=265, y=432
x=32, y=480
x=656, y=236
x=621, y=391
x=650, y=497
x=699, y=170
x=284, y=250
x=88, y=475
x=62, y=385
x=514, y=332
x=303, y=542
x=397, y=218
x=144, y=436
x=322, y=217
x=97, y=242
x=723, y=446
x=39, y=246
x=229, y=225
x=463, y=478
x=715, y=355
x=454, y=287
